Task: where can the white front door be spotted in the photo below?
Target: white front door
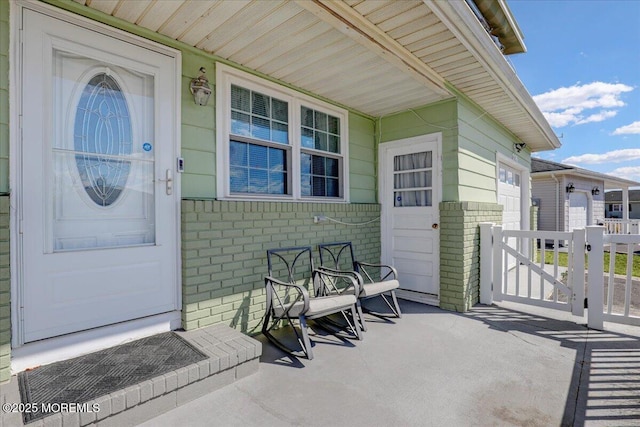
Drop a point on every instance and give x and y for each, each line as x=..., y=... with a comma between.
x=410, y=197
x=99, y=204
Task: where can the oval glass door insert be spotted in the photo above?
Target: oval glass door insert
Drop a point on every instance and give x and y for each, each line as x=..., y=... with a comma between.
x=103, y=136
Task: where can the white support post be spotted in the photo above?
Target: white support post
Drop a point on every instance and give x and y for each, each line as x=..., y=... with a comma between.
x=625, y=207
x=497, y=263
x=486, y=263
x=577, y=286
x=595, y=284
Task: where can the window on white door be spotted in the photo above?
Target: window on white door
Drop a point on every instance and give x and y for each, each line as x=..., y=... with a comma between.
x=413, y=180
x=275, y=143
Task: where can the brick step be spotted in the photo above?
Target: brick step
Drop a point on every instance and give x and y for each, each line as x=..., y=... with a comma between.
x=231, y=356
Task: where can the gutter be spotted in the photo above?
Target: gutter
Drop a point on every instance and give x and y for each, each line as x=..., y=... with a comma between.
x=557, y=200
x=501, y=24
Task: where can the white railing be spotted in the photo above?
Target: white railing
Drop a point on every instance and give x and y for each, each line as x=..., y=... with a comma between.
x=622, y=226
x=610, y=297
x=531, y=280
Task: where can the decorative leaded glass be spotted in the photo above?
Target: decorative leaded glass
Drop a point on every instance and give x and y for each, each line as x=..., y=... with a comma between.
x=103, y=139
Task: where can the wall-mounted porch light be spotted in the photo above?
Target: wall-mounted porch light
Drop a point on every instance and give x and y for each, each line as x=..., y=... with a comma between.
x=595, y=190
x=570, y=188
x=200, y=89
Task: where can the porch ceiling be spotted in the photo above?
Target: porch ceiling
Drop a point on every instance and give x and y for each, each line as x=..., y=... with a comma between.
x=376, y=56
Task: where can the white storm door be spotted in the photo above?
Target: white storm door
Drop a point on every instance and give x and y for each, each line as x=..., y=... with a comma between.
x=99, y=207
x=410, y=197
x=510, y=197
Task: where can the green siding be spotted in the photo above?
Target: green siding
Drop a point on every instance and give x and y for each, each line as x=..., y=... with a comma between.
x=224, y=252
x=4, y=97
x=480, y=138
x=438, y=117
x=5, y=291
x=198, y=131
x=362, y=159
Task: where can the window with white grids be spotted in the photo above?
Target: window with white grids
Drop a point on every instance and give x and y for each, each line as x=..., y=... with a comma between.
x=275, y=143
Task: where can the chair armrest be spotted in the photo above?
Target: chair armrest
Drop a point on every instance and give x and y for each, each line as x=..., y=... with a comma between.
x=353, y=273
x=325, y=280
x=392, y=273
x=272, y=296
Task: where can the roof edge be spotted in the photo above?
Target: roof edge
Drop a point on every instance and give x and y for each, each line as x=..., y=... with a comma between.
x=503, y=25
x=460, y=19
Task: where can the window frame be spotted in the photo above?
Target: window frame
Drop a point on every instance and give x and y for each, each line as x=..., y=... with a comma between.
x=227, y=76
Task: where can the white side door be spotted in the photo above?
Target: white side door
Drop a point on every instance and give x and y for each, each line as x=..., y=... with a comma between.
x=99, y=202
x=410, y=197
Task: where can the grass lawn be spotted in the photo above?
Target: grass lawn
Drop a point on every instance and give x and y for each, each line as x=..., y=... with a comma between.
x=620, y=267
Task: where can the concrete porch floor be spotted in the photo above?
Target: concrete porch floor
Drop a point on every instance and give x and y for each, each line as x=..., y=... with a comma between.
x=490, y=366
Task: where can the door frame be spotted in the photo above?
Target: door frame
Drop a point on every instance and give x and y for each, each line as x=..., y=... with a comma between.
x=385, y=216
x=95, y=336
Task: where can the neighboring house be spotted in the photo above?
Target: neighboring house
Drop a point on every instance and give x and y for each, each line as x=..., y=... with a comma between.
x=130, y=207
x=569, y=197
x=614, y=207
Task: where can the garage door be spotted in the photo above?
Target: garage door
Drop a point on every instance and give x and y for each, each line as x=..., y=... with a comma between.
x=578, y=210
x=509, y=196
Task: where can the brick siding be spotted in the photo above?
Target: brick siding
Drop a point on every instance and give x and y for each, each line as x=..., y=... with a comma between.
x=224, y=247
x=460, y=251
x=5, y=292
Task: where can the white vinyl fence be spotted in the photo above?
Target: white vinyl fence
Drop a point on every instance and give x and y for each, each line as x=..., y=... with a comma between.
x=622, y=226
x=537, y=278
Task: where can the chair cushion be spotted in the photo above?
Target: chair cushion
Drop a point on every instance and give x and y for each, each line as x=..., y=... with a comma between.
x=319, y=306
x=330, y=304
x=371, y=289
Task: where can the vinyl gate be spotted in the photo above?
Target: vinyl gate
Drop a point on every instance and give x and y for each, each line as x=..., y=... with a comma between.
x=550, y=272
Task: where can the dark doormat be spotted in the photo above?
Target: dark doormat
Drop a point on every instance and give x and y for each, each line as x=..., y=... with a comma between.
x=93, y=375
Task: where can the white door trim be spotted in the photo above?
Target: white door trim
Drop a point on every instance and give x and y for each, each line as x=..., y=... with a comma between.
x=15, y=183
x=385, y=217
x=525, y=187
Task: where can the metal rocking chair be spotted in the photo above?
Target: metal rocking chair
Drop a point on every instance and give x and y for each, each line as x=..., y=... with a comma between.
x=339, y=258
x=288, y=296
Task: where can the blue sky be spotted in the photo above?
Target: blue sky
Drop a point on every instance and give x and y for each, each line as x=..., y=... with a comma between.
x=582, y=66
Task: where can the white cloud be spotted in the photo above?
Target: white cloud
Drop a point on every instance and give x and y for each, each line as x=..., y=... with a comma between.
x=579, y=104
x=629, y=172
x=598, y=117
x=615, y=156
x=628, y=129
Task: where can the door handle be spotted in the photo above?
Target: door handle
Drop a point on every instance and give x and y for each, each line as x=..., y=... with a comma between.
x=435, y=226
x=168, y=182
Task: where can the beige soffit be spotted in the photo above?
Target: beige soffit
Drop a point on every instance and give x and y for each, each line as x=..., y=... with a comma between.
x=379, y=57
